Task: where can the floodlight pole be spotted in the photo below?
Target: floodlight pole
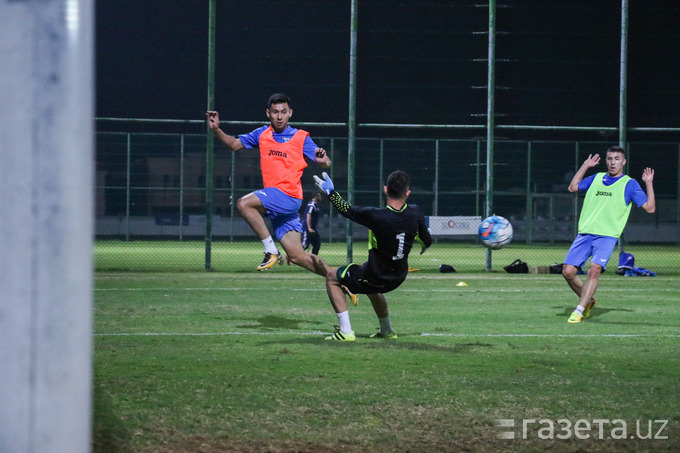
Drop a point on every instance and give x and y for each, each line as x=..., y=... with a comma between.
x=490, y=112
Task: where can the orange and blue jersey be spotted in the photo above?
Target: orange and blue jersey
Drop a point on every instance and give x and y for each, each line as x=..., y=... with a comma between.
x=282, y=156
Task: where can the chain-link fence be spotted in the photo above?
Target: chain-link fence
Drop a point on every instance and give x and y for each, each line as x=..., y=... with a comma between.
x=569, y=78
x=151, y=187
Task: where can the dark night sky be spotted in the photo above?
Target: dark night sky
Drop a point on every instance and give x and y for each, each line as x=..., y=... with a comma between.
x=418, y=61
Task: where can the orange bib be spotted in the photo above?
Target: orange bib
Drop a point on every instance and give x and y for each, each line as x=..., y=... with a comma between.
x=282, y=163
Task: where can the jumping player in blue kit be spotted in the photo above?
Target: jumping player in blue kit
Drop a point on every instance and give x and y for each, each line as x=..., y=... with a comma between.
x=282, y=150
x=393, y=231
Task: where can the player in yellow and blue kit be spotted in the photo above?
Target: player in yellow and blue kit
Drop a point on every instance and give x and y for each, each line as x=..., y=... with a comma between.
x=283, y=150
x=603, y=217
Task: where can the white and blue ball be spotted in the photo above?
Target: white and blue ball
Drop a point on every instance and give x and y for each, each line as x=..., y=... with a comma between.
x=495, y=232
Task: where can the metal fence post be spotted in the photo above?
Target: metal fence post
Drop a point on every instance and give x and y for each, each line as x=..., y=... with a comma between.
x=330, y=208
x=351, y=120
x=381, y=173
x=127, y=187
x=529, y=214
x=490, y=112
x=575, y=197
x=210, y=144
x=435, y=208
x=181, y=187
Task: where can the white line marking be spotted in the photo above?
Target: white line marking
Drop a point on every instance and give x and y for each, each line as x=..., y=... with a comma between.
x=424, y=334
x=102, y=276
x=528, y=335
x=430, y=290
x=201, y=334
x=203, y=289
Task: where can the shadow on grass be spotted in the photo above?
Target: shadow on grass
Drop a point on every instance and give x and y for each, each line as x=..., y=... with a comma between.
x=598, y=312
x=109, y=434
x=278, y=322
x=595, y=312
x=371, y=343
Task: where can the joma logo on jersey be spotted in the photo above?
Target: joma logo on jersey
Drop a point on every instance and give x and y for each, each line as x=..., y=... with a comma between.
x=603, y=194
x=273, y=152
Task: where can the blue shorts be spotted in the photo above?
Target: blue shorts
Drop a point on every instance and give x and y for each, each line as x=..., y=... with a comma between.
x=600, y=248
x=282, y=209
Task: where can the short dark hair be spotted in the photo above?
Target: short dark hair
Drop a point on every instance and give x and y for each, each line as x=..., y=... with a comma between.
x=278, y=98
x=398, y=183
x=616, y=149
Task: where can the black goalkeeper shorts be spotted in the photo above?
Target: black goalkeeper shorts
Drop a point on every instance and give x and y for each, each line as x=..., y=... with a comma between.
x=353, y=277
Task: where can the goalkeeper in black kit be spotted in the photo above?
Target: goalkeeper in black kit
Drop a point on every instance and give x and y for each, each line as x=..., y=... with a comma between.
x=393, y=231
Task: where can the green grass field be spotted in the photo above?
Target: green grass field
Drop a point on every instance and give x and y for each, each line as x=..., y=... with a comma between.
x=236, y=362
x=244, y=256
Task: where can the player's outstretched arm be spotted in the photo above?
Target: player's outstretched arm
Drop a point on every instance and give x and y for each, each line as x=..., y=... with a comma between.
x=326, y=184
x=589, y=163
x=423, y=237
x=648, y=178
x=423, y=247
x=213, y=118
x=322, y=158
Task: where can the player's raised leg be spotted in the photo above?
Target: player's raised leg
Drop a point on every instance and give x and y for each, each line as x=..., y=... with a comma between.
x=344, y=331
x=296, y=254
x=251, y=209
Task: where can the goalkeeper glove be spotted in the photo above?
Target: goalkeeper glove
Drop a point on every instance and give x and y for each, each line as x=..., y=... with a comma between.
x=324, y=184
x=423, y=247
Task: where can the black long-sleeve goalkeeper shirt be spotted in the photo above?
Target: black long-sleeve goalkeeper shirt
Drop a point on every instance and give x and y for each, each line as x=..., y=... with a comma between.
x=391, y=237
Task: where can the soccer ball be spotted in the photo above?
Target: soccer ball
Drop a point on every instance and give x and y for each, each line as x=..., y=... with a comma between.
x=495, y=232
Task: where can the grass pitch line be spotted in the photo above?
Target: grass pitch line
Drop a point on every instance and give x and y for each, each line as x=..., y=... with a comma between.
x=202, y=334
x=424, y=334
x=548, y=335
x=206, y=289
x=406, y=290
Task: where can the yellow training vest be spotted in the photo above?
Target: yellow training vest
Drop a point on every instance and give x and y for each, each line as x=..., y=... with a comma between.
x=604, y=211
